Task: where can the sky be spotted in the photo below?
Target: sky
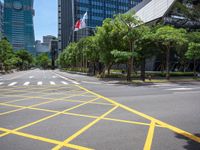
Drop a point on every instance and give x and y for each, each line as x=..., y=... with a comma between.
x=45, y=19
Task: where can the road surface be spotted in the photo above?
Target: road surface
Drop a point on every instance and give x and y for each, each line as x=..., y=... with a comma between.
x=44, y=109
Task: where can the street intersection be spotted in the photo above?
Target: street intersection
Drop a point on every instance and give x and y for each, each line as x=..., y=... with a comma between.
x=55, y=110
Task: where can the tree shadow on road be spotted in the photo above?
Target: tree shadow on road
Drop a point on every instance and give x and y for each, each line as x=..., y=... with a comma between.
x=191, y=144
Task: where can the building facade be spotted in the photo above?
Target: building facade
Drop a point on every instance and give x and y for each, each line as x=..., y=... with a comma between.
x=47, y=39
x=69, y=11
x=1, y=20
x=178, y=13
x=18, y=24
x=41, y=47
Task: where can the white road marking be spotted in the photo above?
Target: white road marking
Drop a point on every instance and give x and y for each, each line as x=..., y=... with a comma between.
x=31, y=77
x=65, y=83
x=74, y=82
x=26, y=83
x=91, y=82
x=1, y=83
x=44, y=76
x=179, y=89
x=54, y=77
x=12, y=84
x=39, y=83
x=52, y=83
x=164, y=85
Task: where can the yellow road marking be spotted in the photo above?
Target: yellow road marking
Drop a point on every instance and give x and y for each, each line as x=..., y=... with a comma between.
x=12, y=101
x=39, y=138
x=27, y=107
x=48, y=117
x=80, y=115
x=150, y=135
x=11, y=111
x=37, y=97
x=84, y=129
x=173, y=128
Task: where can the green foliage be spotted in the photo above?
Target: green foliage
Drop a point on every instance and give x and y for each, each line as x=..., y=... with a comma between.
x=69, y=56
x=121, y=56
x=192, y=13
x=43, y=60
x=106, y=42
x=125, y=39
x=7, y=57
x=193, y=37
x=24, y=59
x=169, y=36
x=193, y=51
x=90, y=48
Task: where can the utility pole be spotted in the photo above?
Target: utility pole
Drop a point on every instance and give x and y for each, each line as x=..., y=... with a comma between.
x=54, y=49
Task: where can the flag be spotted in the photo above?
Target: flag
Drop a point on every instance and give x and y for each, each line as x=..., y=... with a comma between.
x=80, y=24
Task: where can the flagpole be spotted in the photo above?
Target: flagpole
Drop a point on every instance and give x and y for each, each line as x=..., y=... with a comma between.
x=73, y=20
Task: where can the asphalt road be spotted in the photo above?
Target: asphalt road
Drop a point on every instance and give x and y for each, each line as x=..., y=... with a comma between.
x=42, y=110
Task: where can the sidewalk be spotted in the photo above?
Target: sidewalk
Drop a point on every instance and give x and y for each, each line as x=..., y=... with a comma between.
x=83, y=77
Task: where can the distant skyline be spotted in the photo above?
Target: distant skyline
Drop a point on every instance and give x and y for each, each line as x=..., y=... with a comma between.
x=45, y=19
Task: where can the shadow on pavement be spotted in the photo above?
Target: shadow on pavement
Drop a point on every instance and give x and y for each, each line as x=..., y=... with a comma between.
x=191, y=144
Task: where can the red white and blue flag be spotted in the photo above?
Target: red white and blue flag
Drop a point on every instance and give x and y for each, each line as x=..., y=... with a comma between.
x=80, y=24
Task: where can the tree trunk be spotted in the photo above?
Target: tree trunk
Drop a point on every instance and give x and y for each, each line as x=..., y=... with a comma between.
x=129, y=69
x=168, y=64
x=94, y=68
x=143, y=63
x=194, y=69
x=130, y=63
x=109, y=68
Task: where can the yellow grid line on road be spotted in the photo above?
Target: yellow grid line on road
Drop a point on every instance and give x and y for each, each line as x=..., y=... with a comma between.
x=42, y=91
x=150, y=136
x=63, y=100
x=154, y=122
x=80, y=115
x=50, y=116
x=170, y=127
x=39, y=97
x=35, y=105
x=59, y=146
x=47, y=140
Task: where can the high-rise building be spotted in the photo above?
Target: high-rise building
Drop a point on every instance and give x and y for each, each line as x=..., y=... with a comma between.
x=1, y=20
x=69, y=11
x=47, y=39
x=18, y=24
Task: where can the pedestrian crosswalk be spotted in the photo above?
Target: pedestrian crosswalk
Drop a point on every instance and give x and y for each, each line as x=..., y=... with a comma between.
x=52, y=83
x=65, y=83
x=12, y=84
x=38, y=83
x=26, y=83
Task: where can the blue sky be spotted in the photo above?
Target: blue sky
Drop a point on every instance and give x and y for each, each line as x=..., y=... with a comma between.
x=45, y=19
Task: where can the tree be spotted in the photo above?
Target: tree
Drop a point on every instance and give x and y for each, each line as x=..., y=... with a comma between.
x=25, y=59
x=7, y=57
x=168, y=37
x=43, y=60
x=68, y=58
x=90, y=50
x=193, y=53
x=128, y=26
x=146, y=48
x=107, y=42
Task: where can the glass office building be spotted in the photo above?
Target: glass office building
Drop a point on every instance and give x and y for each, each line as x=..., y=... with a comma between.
x=18, y=24
x=72, y=10
x=1, y=20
